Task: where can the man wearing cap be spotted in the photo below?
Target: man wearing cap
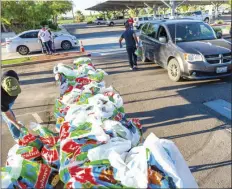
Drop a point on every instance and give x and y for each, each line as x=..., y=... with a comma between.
x=131, y=44
x=10, y=89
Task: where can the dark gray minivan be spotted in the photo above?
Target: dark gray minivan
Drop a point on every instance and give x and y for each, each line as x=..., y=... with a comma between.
x=186, y=48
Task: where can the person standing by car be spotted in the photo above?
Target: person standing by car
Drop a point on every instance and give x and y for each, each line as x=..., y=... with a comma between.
x=51, y=42
x=45, y=36
x=10, y=89
x=131, y=45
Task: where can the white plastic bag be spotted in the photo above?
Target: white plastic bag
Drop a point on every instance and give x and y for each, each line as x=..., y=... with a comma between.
x=66, y=70
x=116, y=144
x=70, y=98
x=117, y=129
x=169, y=161
x=132, y=172
x=180, y=164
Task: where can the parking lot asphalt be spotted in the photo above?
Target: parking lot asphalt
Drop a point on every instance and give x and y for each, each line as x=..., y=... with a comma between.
x=174, y=111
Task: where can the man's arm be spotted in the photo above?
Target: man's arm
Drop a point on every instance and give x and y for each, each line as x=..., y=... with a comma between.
x=120, y=41
x=12, y=119
x=135, y=38
x=39, y=34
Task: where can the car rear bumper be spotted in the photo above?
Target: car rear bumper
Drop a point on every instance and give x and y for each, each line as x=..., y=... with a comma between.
x=11, y=49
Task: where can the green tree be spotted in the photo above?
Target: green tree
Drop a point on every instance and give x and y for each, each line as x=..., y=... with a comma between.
x=80, y=16
x=132, y=13
x=59, y=7
x=23, y=15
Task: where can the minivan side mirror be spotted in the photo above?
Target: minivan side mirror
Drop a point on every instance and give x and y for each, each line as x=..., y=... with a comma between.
x=219, y=35
x=163, y=39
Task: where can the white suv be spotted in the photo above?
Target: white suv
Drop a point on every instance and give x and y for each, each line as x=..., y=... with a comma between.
x=139, y=21
x=120, y=20
x=100, y=21
x=197, y=15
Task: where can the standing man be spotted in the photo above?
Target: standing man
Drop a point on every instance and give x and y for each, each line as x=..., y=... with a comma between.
x=10, y=89
x=51, y=42
x=131, y=45
x=45, y=36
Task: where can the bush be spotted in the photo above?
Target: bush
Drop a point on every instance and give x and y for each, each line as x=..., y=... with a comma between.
x=90, y=22
x=219, y=22
x=50, y=24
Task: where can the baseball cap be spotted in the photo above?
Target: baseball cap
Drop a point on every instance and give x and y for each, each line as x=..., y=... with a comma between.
x=11, y=86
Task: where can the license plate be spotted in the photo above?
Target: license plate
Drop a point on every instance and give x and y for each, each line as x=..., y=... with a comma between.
x=221, y=70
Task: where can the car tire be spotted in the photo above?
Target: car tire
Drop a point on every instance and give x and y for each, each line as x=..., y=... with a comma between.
x=143, y=57
x=66, y=45
x=206, y=20
x=174, y=71
x=23, y=50
x=111, y=24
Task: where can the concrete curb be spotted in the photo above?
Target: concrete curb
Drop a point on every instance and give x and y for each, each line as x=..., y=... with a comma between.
x=44, y=61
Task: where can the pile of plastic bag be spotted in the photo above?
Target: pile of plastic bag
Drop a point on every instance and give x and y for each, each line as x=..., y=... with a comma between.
x=96, y=146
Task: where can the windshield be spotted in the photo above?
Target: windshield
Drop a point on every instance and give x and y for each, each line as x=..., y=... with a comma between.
x=185, y=32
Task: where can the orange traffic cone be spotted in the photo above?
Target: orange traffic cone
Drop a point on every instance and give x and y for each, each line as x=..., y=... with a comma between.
x=82, y=47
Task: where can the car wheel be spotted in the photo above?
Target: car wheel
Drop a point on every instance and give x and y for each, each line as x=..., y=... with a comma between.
x=66, y=45
x=23, y=50
x=111, y=24
x=143, y=57
x=174, y=72
x=206, y=20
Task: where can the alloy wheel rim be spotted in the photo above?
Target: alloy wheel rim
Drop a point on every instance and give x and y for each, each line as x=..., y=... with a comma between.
x=23, y=50
x=174, y=70
x=66, y=45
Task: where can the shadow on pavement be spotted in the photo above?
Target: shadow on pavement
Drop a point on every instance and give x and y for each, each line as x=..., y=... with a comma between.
x=138, y=70
x=33, y=106
x=142, y=100
x=109, y=63
x=37, y=81
x=203, y=167
x=221, y=127
x=142, y=92
x=188, y=85
x=169, y=115
x=35, y=73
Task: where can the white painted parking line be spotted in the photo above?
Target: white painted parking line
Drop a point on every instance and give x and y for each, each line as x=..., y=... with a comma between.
x=221, y=106
x=37, y=118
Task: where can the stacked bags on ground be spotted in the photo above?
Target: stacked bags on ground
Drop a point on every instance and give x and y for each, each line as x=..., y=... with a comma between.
x=96, y=145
